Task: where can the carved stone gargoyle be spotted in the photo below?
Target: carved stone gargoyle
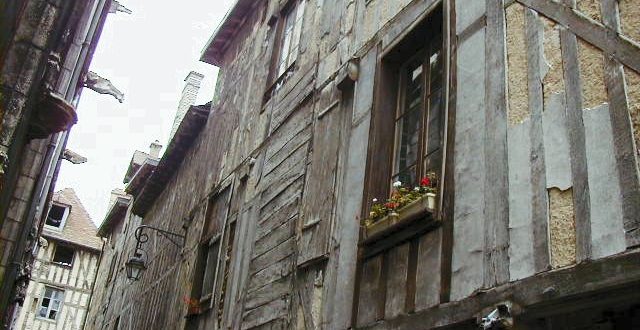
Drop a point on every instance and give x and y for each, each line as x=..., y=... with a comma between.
x=103, y=86
x=117, y=7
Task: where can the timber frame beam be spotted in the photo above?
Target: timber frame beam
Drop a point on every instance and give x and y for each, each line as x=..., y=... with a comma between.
x=598, y=35
x=542, y=293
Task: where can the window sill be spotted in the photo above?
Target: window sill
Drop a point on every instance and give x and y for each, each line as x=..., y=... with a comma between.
x=63, y=265
x=394, y=228
x=46, y=319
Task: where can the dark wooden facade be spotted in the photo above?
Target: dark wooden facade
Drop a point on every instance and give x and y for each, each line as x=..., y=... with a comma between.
x=538, y=178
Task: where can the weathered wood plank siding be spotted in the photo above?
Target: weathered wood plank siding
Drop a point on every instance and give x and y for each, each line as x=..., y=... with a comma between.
x=536, y=181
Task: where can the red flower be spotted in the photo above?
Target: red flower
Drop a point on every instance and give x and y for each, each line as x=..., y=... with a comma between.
x=391, y=205
x=425, y=182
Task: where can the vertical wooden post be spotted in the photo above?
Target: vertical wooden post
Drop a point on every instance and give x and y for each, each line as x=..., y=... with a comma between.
x=448, y=159
x=540, y=198
x=577, y=147
x=496, y=208
x=624, y=148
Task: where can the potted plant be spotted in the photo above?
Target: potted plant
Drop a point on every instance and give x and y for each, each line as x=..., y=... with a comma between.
x=404, y=205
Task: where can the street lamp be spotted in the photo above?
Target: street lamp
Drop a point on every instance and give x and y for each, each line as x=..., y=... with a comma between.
x=136, y=265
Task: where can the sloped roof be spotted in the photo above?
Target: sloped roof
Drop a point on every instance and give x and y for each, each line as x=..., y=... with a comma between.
x=78, y=228
x=116, y=213
x=214, y=49
x=192, y=123
x=136, y=161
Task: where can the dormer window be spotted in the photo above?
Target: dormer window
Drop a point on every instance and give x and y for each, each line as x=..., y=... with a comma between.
x=57, y=216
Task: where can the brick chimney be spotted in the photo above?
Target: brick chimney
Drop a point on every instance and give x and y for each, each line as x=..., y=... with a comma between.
x=189, y=95
x=154, y=149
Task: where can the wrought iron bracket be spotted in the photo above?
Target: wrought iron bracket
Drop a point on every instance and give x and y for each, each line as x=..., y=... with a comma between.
x=142, y=237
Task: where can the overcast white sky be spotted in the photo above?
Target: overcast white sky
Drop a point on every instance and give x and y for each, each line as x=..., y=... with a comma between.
x=146, y=55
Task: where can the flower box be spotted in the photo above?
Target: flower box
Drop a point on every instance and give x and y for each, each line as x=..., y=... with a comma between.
x=418, y=210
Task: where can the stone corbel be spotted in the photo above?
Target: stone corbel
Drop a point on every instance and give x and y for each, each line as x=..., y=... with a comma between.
x=52, y=114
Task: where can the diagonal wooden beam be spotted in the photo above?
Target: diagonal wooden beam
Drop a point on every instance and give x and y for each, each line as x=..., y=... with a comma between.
x=609, y=41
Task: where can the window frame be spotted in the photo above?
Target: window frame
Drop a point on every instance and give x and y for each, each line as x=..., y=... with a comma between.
x=381, y=154
x=210, y=240
x=49, y=307
x=112, y=268
x=65, y=216
x=55, y=251
x=426, y=96
x=276, y=77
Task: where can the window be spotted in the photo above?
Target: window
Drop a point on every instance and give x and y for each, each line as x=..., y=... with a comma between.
x=207, y=264
x=288, y=31
x=63, y=255
x=57, y=216
x=112, y=267
x=408, y=124
x=210, y=258
x=290, y=37
x=419, y=125
x=51, y=303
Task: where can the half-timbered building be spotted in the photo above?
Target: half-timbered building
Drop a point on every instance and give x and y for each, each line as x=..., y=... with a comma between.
x=65, y=269
x=406, y=164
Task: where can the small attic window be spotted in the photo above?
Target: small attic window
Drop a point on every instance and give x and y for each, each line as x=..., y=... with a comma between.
x=57, y=216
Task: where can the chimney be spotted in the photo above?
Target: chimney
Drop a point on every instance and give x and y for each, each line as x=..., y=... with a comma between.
x=154, y=149
x=115, y=193
x=189, y=95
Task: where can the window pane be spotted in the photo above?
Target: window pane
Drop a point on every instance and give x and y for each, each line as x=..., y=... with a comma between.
x=209, y=273
x=53, y=314
x=287, y=35
x=435, y=63
x=293, y=54
x=435, y=123
x=45, y=302
x=432, y=162
x=407, y=129
x=407, y=177
x=412, y=93
x=216, y=213
x=48, y=292
x=42, y=312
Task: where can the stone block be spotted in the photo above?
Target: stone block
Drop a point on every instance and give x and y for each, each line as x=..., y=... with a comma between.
x=31, y=163
x=30, y=21
x=27, y=75
x=10, y=229
x=17, y=208
x=45, y=27
x=13, y=64
x=6, y=252
x=24, y=186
